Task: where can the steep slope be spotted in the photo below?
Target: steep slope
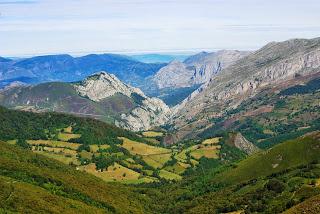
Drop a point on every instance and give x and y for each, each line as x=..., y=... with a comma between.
x=100, y=96
x=279, y=65
x=270, y=181
x=68, y=68
x=175, y=75
x=32, y=183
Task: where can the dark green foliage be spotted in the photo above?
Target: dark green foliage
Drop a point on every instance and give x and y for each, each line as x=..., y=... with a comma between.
x=84, y=147
x=103, y=162
x=32, y=126
x=310, y=87
x=275, y=185
x=23, y=144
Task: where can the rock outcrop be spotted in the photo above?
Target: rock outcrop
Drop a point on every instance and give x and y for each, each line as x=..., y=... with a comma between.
x=197, y=69
x=103, y=85
x=148, y=112
x=244, y=145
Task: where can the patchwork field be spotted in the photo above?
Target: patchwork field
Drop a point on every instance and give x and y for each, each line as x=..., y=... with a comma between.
x=54, y=143
x=66, y=159
x=118, y=173
x=169, y=175
x=94, y=148
x=128, y=162
x=137, y=148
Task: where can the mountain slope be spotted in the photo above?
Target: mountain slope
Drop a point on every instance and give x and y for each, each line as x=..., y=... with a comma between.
x=67, y=68
x=278, y=65
x=26, y=178
x=270, y=181
x=100, y=96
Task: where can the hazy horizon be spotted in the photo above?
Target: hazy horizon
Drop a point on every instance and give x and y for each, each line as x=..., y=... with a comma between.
x=44, y=27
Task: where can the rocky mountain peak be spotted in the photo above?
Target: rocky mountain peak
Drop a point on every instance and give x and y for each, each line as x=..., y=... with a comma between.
x=197, y=69
x=147, y=113
x=102, y=85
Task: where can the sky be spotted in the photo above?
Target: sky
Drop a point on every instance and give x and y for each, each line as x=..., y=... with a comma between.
x=38, y=27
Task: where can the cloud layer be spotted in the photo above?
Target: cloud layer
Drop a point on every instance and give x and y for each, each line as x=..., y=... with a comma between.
x=59, y=26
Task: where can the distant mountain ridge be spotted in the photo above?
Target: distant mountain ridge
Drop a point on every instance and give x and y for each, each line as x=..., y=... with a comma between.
x=159, y=58
x=196, y=69
x=68, y=69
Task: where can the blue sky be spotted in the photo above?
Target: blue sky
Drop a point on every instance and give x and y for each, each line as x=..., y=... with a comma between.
x=35, y=27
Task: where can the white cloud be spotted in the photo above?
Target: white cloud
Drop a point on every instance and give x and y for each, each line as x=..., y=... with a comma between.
x=47, y=26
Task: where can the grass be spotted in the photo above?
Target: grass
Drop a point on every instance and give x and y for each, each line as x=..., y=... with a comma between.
x=57, y=150
x=137, y=148
x=12, y=142
x=211, y=141
x=154, y=156
x=169, y=175
x=156, y=161
x=208, y=152
x=86, y=155
x=152, y=140
x=94, y=148
x=68, y=136
x=53, y=143
x=177, y=168
x=117, y=173
x=43, y=185
x=60, y=157
x=68, y=130
x=22, y=197
x=182, y=156
x=152, y=134
x=289, y=154
x=207, y=148
x=310, y=205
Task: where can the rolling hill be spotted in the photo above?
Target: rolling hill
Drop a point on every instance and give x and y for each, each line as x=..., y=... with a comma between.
x=272, y=181
x=32, y=183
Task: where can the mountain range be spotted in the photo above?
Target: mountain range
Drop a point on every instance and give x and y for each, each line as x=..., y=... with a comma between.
x=243, y=137
x=155, y=79
x=267, y=71
x=66, y=68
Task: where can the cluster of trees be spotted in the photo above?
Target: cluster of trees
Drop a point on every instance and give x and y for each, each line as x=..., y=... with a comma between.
x=310, y=87
x=35, y=126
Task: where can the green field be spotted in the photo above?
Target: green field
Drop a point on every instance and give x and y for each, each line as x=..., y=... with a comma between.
x=152, y=134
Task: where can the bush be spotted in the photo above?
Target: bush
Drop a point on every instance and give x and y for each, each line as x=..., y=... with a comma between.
x=275, y=185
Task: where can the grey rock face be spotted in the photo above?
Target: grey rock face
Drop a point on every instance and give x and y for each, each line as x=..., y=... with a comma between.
x=197, y=69
x=103, y=85
x=149, y=113
x=243, y=144
x=153, y=112
x=175, y=75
